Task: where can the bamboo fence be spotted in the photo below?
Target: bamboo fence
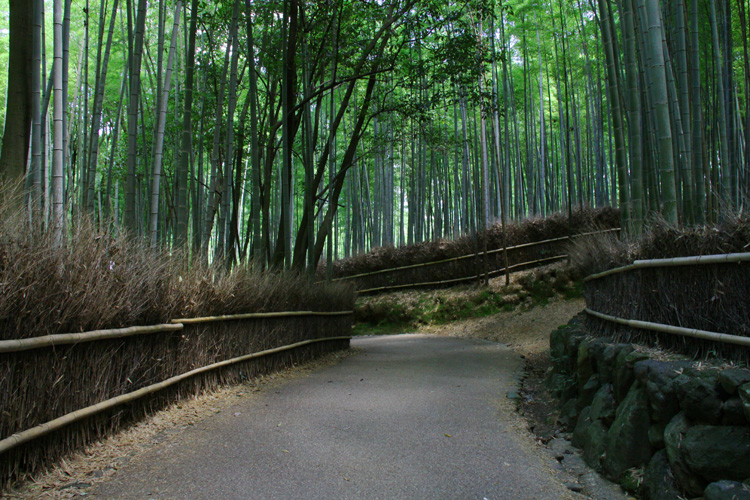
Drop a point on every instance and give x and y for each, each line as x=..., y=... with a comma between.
x=729, y=258
x=670, y=295
x=474, y=255
x=13, y=346
x=58, y=423
x=463, y=279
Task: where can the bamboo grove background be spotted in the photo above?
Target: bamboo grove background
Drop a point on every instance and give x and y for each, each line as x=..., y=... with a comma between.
x=291, y=132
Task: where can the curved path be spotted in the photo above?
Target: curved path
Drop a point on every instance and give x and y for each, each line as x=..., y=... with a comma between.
x=409, y=417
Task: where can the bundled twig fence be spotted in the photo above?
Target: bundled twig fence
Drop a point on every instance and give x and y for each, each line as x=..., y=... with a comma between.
x=466, y=268
x=696, y=305
x=59, y=392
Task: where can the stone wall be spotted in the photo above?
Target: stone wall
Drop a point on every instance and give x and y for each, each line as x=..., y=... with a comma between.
x=661, y=425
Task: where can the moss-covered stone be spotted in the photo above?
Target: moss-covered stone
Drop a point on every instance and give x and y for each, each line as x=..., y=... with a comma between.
x=658, y=481
x=581, y=428
x=656, y=435
x=733, y=412
x=584, y=363
x=603, y=407
x=732, y=378
x=587, y=391
x=674, y=435
x=568, y=415
x=727, y=490
x=627, y=439
x=717, y=452
x=593, y=444
x=744, y=392
x=623, y=377
x=698, y=393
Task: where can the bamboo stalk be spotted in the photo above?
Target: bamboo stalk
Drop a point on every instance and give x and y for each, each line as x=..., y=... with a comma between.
x=288, y=314
x=675, y=330
x=60, y=422
x=729, y=258
x=457, y=280
x=17, y=345
x=471, y=256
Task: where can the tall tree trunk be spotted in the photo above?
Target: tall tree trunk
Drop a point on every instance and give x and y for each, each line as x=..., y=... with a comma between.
x=101, y=79
x=186, y=150
x=724, y=157
x=58, y=158
x=161, y=119
x=129, y=220
x=18, y=112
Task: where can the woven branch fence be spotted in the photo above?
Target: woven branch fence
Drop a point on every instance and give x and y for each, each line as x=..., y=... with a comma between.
x=466, y=268
x=694, y=305
x=60, y=392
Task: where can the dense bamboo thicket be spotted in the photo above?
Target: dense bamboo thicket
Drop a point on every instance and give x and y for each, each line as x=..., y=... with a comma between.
x=295, y=132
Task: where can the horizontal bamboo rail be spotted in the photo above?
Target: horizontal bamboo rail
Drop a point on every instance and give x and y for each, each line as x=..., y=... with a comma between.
x=675, y=330
x=17, y=345
x=729, y=258
x=459, y=280
x=289, y=314
x=474, y=255
x=60, y=422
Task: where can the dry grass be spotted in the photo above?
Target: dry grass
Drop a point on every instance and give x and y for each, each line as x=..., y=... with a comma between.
x=529, y=230
x=97, y=280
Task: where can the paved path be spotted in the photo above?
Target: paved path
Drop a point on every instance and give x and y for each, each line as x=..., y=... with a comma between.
x=411, y=417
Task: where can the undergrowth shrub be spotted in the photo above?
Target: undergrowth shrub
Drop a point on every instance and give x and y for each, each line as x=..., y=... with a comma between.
x=531, y=229
x=98, y=280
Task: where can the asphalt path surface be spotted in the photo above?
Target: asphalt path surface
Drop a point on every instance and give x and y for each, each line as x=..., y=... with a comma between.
x=409, y=417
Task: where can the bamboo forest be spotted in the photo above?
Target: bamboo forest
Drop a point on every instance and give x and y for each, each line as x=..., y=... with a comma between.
x=288, y=133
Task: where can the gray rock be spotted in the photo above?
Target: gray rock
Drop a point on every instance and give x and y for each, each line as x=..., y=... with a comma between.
x=603, y=406
x=587, y=391
x=568, y=415
x=732, y=378
x=557, y=340
x=744, y=393
x=674, y=435
x=584, y=363
x=718, y=452
x=584, y=421
x=574, y=341
x=656, y=435
x=627, y=438
x=594, y=446
x=733, y=412
x=658, y=481
x=606, y=362
x=727, y=490
x=698, y=393
x=658, y=377
x=623, y=375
